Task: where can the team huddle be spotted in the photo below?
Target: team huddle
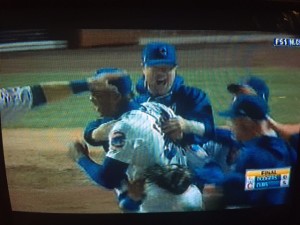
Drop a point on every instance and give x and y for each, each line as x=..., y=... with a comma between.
x=162, y=148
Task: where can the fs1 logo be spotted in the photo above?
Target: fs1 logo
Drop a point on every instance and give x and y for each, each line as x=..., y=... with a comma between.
x=286, y=42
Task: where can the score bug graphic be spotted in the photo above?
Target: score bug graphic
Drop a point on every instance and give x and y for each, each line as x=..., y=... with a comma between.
x=267, y=178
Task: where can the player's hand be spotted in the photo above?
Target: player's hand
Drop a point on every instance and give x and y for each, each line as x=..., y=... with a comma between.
x=281, y=129
x=136, y=189
x=103, y=82
x=77, y=150
x=174, y=128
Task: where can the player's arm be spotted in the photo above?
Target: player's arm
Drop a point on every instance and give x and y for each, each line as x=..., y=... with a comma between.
x=16, y=101
x=201, y=114
x=96, y=132
x=102, y=131
x=49, y=92
x=198, y=121
x=286, y=131
x=111, y=174
x=108, y=175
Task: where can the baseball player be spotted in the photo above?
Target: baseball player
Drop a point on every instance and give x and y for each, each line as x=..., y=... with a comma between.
x=254, y=85
x=194, y=123
x=104, y=99
x=16, y=101
x=259, y=151
x=224, y=147
x=138, y=152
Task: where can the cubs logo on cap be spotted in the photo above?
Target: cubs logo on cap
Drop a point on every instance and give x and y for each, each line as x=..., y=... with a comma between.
x=163, y=51
x=159, y=53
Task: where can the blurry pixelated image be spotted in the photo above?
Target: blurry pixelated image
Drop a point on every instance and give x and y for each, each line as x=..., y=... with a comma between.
x=77, y=103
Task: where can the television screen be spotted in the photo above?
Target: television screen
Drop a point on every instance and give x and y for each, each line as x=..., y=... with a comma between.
x=48, y=104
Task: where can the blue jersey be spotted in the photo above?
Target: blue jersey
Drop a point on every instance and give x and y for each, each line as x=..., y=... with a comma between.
x=259, y=153
x=294, y=141
x=188, y=102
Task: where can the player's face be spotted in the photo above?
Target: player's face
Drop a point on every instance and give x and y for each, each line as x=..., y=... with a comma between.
x=159, y=79
x=244, y=129
x=106, y=102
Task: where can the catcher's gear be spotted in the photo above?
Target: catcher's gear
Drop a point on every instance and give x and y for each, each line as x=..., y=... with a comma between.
x=173, y=178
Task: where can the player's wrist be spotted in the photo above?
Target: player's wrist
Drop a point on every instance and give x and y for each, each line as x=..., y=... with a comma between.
x=136, y=198
x=79, y=86
x=193, y=127
x=128, y=204
x=77, y=151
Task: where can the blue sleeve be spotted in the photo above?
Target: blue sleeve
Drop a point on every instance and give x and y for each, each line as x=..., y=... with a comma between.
x=108, y=175
x=79, y=86
x=87, y=134
x=128, y=204
x=210, y=173
x=195, y=105
x=225, y=137
x=232, y=183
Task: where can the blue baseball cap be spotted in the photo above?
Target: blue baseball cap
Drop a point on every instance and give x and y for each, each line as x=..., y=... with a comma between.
x=253, y=83
x=251, y=106
x=159, y=53
x=123, y=83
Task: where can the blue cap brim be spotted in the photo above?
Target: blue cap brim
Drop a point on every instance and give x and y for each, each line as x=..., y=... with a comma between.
x=160, y=63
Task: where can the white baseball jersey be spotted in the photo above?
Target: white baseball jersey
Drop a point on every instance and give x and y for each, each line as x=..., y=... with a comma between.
x=137, y=140
x=14, y=102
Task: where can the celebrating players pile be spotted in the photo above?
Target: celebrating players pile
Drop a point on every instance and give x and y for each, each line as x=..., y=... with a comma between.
x=163, y=152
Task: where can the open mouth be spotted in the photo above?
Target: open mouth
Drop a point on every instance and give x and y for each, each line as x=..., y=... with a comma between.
x=161, y=82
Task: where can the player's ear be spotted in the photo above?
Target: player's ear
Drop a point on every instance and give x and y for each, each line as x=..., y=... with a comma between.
x=118, y=96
